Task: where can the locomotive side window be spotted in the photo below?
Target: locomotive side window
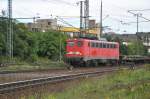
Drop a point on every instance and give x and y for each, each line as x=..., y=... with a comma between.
x=104, y=45
x=92, y=44
x=89, y=44
x=97, y=45
x=108, y=45
x=100, y=45
x=113, y=46
x=71, y=44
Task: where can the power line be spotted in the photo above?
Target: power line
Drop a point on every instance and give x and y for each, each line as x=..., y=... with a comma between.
x=136, y=22
x=60, y=1
x=141, y=10
x=138, y=15
x=63, y=21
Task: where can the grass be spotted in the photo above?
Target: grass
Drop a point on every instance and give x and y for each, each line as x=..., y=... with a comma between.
x=40, y=64
x=124, y=84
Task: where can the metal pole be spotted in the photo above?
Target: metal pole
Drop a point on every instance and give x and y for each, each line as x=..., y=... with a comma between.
x=34, y=24
x=10, y=32
x=101, y=23
x=60, y=54
x=87, y=9
x=85, y=15
x=137, y=22
x=81, y=16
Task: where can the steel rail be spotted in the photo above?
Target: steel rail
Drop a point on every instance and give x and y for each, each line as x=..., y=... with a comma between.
x=29, y=71
x=7, y=87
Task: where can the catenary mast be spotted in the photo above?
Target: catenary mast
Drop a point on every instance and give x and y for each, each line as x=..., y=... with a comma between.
x=9, y=48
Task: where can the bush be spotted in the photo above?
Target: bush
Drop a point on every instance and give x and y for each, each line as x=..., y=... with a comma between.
x=147, y=67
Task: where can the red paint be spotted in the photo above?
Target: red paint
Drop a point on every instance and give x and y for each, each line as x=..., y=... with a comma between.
x=92, y=52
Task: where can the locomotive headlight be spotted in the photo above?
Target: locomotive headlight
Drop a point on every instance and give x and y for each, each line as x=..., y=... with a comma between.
x=78, y=53
x=70, y=53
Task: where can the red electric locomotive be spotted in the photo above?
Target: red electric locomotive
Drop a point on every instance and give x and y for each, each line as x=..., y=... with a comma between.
x=91, y=52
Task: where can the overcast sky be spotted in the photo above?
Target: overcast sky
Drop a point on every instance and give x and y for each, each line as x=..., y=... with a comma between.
x=116, y=9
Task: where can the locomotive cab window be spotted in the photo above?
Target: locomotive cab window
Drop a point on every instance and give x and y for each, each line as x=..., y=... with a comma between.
x=71, y=44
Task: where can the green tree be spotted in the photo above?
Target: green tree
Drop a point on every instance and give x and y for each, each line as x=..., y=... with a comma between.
x=3, y=32
x=31, y=45
x=136, y=48
x=49, y=43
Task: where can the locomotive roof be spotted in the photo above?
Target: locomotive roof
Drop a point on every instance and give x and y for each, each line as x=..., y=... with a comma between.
x=81, y=39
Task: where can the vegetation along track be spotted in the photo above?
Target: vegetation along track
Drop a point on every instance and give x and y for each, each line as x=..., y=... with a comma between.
x=8, y=87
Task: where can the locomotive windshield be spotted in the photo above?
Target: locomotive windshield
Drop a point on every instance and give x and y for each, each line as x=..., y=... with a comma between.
x=78, y=43
x=71, y=44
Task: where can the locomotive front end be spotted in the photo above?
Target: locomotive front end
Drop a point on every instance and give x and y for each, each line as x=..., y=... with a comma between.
x=74, y=51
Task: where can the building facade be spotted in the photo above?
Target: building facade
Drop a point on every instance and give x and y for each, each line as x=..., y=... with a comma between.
x=128, y=38
x=145, y=38
x=42, y=25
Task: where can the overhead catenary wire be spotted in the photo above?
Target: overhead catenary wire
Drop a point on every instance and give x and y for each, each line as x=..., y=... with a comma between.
x=61, y=2
x=138, y=15
x=65, y=22
x=141, y=10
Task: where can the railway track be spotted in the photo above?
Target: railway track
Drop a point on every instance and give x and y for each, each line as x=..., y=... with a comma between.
x=29, y=75
x=8, y=87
